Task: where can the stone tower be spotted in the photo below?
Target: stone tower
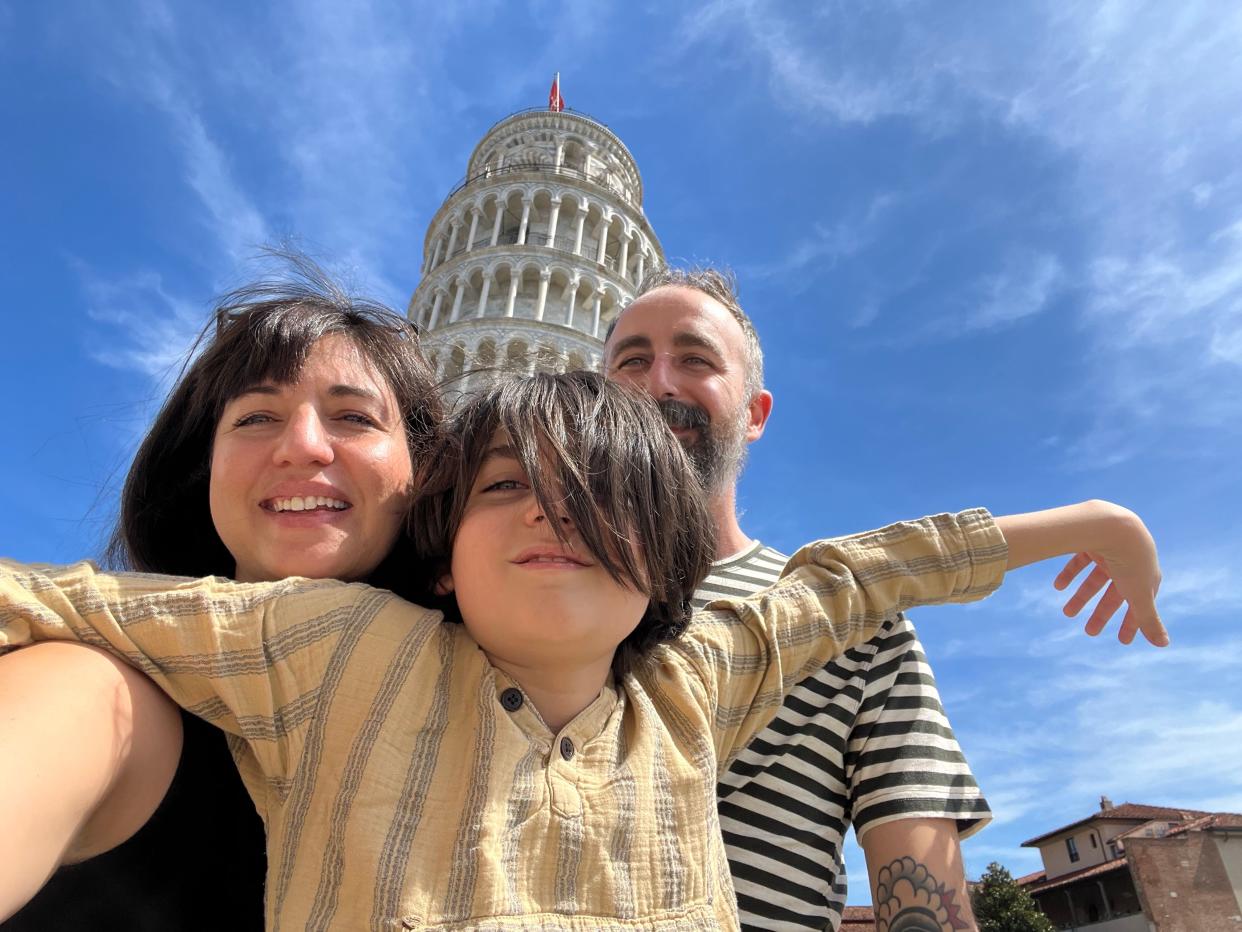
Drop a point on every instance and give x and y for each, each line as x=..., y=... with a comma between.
x=535, y=251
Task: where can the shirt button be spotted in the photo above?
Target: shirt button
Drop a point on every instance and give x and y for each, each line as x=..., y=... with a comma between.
x=511, y=699
x=567, y=749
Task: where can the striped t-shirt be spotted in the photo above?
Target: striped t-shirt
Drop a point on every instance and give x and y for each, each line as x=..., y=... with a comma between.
x=864, y=740
x=405, y=783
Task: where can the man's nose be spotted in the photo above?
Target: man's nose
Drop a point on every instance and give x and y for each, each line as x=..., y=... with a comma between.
x=661, y=378
x=304, y=440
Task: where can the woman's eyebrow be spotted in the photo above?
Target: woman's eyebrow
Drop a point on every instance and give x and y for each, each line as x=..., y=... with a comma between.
x=353, y=391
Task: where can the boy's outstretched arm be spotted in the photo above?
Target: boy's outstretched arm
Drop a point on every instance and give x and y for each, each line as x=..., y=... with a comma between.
x=835, y=594
x=1116, y=541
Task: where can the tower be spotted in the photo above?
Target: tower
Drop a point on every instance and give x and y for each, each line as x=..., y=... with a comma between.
x=535, y=251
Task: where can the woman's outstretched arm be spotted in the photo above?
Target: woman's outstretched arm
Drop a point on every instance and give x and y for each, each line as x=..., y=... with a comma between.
x=90, y=748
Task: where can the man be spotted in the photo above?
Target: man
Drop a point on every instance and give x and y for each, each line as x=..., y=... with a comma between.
x=865, y=740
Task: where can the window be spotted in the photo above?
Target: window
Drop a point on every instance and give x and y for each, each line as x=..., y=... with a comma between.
x=1093, y=844
x=1072, y=847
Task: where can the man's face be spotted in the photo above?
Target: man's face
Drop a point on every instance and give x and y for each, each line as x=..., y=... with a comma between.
x=686, y=350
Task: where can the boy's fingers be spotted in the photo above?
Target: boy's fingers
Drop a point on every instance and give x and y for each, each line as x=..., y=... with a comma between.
x=1129, y=627
x=1154, y=630
x=1096, y=581
x=1072, y=568
x=1104, y=610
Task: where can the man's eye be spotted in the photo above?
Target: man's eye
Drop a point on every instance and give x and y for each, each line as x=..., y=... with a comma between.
x=633, y=362
x=696, y=361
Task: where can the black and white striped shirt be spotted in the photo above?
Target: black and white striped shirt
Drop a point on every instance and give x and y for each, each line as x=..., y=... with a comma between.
x=865, y=741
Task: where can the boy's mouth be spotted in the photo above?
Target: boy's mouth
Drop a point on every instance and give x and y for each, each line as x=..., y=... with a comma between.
x=546, y=557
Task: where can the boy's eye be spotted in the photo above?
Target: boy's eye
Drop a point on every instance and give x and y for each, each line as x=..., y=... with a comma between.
x=504, y=485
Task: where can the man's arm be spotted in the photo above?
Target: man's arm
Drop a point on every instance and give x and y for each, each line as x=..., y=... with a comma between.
x=917, y=877
x=99, y=745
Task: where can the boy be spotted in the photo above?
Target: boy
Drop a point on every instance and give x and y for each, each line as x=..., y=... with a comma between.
x=551, y=761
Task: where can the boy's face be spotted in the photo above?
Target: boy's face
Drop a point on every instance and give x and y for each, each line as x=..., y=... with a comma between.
x=526, y=597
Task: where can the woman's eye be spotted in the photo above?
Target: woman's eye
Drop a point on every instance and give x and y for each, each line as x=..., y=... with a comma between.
x=247, y=420
x=364, y=420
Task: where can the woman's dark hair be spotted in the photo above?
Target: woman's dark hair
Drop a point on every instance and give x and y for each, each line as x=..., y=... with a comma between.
x=599, y=453
x=261, y=332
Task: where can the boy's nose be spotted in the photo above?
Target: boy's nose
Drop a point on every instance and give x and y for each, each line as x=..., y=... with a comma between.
x=536, y=513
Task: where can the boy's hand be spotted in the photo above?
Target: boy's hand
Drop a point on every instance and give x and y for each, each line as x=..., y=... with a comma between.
x=1128, y=565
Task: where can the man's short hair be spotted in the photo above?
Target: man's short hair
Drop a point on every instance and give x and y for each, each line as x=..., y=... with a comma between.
x=720, y=284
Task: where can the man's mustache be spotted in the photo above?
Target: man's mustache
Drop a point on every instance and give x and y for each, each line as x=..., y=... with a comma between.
x=685, y=416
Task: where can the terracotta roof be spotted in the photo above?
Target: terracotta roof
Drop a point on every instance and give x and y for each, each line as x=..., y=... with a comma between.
x=1063, y=879
x=1126, y=812
x=858, y=919
x=1217, y=820
x=1030, y=878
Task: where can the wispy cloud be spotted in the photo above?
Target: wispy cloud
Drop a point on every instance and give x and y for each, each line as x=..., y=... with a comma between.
x=827, y=244
x=148, y=60
x=1118, y=88
x=1129, y=724
x=340, y=116
x=1023, y=288
x=851, y=65
x=152, y=329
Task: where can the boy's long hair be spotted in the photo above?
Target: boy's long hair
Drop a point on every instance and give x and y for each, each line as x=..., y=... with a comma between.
x=599, y=453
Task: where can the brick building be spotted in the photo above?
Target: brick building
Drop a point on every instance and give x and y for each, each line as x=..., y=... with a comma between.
x=1138, y=868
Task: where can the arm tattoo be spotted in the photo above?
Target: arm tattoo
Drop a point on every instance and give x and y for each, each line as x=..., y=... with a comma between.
x=909, y=899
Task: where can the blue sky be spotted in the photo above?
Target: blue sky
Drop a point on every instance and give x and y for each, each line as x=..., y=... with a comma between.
x=994, y=253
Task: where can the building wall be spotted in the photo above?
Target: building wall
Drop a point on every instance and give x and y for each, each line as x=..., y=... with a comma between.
x=1229, y=847
x=1092, y=842
x=1135, y=923
x=1183, y=883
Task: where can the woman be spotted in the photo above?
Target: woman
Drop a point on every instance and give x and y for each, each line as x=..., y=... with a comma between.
x=288, y=447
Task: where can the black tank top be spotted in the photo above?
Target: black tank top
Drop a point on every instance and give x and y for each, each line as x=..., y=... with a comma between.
x=198, y=863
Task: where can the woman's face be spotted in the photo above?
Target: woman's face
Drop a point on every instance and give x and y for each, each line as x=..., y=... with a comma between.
x=313, y=478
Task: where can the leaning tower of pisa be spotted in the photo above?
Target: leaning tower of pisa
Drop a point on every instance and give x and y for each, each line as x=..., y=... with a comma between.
x=536, y=249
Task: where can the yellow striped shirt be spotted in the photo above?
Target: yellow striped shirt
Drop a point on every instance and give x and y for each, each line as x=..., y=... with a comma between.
x=407, y=784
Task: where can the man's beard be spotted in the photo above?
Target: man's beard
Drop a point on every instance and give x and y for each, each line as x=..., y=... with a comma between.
x=716, y=451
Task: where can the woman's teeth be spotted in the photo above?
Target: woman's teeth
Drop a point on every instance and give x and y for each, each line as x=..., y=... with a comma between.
x=307, y=503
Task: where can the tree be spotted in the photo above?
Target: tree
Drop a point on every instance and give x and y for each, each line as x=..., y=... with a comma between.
x=1000, y=905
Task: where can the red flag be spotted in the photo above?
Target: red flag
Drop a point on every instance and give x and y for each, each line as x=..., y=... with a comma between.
x=555, y=100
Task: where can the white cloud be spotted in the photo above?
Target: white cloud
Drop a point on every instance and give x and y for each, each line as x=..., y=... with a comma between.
x=828, y=244
x=148, y=59
x=1021, y=289
x=1139, y=100
x=152, y=329
x=847, y=65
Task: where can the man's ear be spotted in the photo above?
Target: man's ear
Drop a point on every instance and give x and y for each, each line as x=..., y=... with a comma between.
x=760, y=410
